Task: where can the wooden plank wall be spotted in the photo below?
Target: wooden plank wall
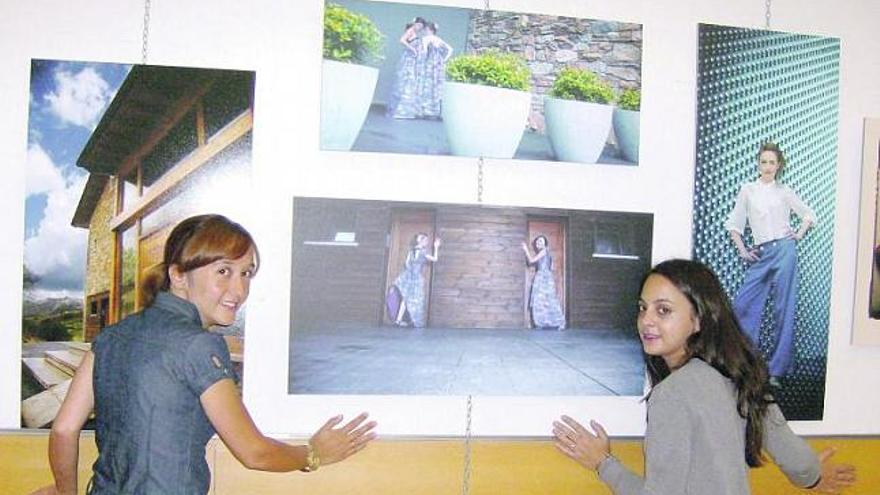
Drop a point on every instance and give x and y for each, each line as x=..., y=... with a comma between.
x=480, y=279
x=603, y=292
x=338, y=284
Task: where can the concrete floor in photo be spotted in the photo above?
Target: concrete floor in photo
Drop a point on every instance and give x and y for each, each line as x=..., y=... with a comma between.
x=437, y=361
x=428, y=137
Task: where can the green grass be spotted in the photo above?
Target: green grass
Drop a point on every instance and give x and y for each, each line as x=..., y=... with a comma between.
x=49, y=327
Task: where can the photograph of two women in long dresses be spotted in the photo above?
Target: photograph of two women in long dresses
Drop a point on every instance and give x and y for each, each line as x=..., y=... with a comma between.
x=423, y=79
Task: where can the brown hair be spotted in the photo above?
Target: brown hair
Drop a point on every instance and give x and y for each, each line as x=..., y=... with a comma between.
x=780, y=157
x=194, y=243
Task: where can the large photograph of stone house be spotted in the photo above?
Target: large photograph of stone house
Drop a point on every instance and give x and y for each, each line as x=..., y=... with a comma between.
x=443, y=299
x=117, y=155
x=423, y=79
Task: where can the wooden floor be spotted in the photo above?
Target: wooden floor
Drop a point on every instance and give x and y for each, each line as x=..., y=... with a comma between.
x=392, y=467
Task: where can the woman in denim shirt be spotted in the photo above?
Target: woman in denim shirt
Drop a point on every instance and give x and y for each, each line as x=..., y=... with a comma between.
x=161, y=385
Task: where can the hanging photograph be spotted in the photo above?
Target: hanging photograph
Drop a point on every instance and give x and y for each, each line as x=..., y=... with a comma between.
x=117, y=155
x=765, y=185
x=422, y=79
x=866, y=317
x=440, y=299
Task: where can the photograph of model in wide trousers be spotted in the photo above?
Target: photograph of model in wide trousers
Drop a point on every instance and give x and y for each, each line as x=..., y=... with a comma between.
x=764, y=194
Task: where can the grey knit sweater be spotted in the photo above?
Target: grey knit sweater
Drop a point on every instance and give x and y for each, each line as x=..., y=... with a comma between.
x=695, y=441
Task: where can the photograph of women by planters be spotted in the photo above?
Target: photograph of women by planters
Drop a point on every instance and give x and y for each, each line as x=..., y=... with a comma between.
x=764, y=195
x=443, y=299
x=422, y=79
x=117, y=155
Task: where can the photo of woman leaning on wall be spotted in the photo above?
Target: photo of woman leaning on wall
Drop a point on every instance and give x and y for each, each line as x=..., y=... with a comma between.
x=446, y=299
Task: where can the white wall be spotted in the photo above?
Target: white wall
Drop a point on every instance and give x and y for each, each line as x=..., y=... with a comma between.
x=281, y=40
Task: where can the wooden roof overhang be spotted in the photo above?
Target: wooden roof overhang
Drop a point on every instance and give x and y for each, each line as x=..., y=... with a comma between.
x=151, y=99
x=146, y=101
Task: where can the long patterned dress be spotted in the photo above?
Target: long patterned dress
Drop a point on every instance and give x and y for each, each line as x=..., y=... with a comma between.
x=433, y=74
x=411, y=284
x=404, y=101
x=546, y=310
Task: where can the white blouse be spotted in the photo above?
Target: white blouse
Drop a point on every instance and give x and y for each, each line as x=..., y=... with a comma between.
x=767, y=210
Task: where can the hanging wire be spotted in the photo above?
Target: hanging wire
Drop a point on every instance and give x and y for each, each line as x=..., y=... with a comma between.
x=480, y=180
x=466, y=477
x=767, y=13
x=146, y=33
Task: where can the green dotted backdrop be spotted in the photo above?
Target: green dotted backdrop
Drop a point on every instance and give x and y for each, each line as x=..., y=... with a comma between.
x=752, y=86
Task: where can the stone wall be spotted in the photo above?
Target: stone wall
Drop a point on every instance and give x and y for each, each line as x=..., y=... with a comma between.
x=99, y=253
x=550, y=43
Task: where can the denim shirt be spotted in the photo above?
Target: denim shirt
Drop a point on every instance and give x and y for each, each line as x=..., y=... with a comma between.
x=150, y=370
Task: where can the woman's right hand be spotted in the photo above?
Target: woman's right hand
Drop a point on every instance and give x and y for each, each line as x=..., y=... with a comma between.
x=586, y=448
x=750, y=255
x=335, y=444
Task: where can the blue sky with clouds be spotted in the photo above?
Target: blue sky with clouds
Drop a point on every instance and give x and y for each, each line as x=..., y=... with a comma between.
x=67, y=100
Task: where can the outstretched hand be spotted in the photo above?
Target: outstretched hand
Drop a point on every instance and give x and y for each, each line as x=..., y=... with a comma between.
x=586, y=448
x=835, y=477
x=333, y=444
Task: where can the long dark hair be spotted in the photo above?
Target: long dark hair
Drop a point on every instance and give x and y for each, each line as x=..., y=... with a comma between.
x=196, y=242
x=722, y=344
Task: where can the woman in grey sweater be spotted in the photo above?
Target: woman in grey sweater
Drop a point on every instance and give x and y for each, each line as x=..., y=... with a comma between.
x=710, y=411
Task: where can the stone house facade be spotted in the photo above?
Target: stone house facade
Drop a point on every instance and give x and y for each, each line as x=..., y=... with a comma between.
x=153, y=159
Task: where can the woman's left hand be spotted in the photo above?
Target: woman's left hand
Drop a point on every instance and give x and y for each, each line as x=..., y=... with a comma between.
x=587, y=448
x=835, y=477
x=437, y=243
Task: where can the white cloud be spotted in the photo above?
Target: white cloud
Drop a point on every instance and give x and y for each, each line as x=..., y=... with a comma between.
x=79, y=98
x=57, y=251
x=42, y=294
x=41, y=174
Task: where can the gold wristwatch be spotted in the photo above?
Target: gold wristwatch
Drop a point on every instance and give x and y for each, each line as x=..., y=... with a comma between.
x=313, y=462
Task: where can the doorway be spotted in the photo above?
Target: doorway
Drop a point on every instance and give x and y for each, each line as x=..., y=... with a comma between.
x=405, y=225
x=554, y=229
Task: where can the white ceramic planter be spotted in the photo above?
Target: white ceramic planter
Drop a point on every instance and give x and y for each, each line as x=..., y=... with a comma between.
x=346, y=94
x=626, y=128
x=484, y=121
x=578, y=130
